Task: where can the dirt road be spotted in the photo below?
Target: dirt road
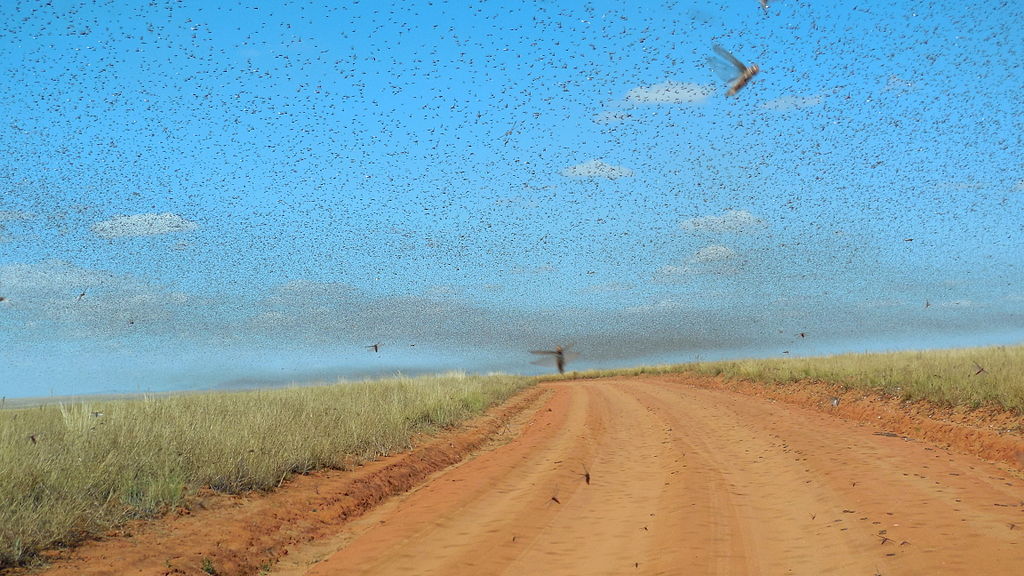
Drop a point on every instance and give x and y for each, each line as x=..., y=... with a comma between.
x=683, y=478
x=686, y=480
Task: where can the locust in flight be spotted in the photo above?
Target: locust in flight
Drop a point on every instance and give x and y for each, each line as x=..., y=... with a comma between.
x=560, y=355
x=730, y=69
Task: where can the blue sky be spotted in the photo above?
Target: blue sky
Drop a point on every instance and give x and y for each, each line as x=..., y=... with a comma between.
x=249, y=193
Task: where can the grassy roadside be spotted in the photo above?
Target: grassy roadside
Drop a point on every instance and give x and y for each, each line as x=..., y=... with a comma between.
x=946, y=377
x=72, y=471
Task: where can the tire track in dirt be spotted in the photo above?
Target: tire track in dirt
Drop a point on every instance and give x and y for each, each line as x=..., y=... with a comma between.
x=699, y=481
x=821, y=495
x=988, y=432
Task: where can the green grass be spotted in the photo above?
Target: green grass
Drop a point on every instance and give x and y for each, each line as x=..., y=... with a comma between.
x=86, y=473
x=946, y=377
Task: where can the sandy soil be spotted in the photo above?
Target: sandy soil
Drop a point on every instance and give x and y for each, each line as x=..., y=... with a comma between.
x=685, y=477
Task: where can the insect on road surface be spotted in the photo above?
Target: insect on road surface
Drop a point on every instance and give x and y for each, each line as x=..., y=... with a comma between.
x=730, y=69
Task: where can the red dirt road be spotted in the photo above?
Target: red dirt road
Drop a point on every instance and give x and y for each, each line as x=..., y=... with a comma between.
x=695, y=481
x=683, y=480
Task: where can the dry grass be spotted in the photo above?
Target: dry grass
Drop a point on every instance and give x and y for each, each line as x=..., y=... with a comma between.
x=85, y=473
x=946, y=377
x=70, y=471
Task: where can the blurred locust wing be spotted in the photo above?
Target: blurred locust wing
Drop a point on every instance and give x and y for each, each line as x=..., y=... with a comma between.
x=550, y=357
x=568, y=353
x=738, y=67
x=726, y=66
x=723, y=69
x=557, y=357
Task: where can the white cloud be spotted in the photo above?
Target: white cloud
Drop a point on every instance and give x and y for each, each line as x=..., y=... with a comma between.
x=596, y=169
x=713, y=259
x=669, y=93
x=734, y=221
x=792, y=102
x=53, y=277
x=886, y=303
x=86, y=302
x=672, y=270
x=660, y=306
x=966, y=303
x=310, y=293
x=898, y=85
x=714, y=253
x=672, y=274
x=143, y=225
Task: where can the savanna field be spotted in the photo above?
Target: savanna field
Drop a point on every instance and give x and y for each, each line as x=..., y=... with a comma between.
x=70, y=471
x=74, y=470
x=972, y=377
